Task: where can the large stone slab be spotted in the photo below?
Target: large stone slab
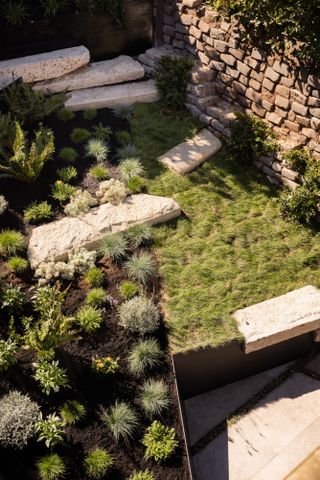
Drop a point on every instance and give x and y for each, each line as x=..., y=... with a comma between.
x=113, y=95
x=45, y=66
x=280, y=318
x=108, y=72
x=53, y=240
x=188, y=155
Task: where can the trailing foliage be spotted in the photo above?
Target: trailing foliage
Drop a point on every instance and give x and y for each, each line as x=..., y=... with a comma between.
x=51, y=467
x=121, y=421
x=97, y=463
x=297, y=160
x=171, y=80
x=160, y=441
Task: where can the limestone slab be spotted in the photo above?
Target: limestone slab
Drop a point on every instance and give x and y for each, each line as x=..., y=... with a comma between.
x=52, y=241
x=280, y=318
x=44, y=66
x=107, y=72
x=190, y=154
x=113, y=95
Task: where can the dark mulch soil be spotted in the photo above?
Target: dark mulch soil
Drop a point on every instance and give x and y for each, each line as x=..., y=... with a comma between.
x=111, y=339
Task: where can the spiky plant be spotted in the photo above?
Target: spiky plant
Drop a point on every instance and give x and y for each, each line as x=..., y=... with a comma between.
x=51, y=467
x=154, y=397
x=98, y=149
x=114, y=246
x=128, y=150
x=130, y=167
x=11, y=242
x=141, y=268
x=121, y=421
x=139, y=235
x=144, y=356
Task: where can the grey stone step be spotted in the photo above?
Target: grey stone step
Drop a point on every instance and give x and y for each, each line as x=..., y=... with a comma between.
x=223, y=112
x=113, y=95
x=108, y=72
x=45, y=66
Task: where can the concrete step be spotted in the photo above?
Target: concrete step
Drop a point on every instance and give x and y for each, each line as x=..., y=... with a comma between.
x=111, y=96
x=108, y=72
x=222, y=111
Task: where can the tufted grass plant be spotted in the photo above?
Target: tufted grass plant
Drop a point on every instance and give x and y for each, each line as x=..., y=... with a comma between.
x=154, y=397
x=79, y=135
x=128, y=290
x=103, y=132
x=94, y=277
x=144, y=357
x=141, y=268
x=139, y=235
x=121, y=421
x=89, y=318
x=37, y=212
x=96, y=297
x=72, y=412
x=137, y=184
x=123, y=137
x=65, y=114
x=18, y=265
x=51, y=467
x=128, y=150
x=99, y=172
x=97, y=463
x=11, y=242
x=130, y=167
x=113, y=246
x=97, y=149
x=139, y=315
x=68, y=154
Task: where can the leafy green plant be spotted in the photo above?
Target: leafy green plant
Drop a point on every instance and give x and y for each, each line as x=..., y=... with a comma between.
x=50, y=376
x=160, y=441
x=12, y=299
x=128, y=290
x=121, y=421
x=139, y=235
x=154, y=397
x=128, y=150
x=145, y=356
x=15, y=13
x=101, y=132
x=37, y=212
x=72, y=412
x=89, y=318
x=51, y=467
x=98, y=149
x=105, y=365
x=27, y=161
x=142, y=475
x=100, y=172
x=97, y=297
x=131, y=167
x=89, y=114
x=67, y=174
x=171, y=80
x=94, y=277
x=65, y=114
x=97, y=463
x=68, y=154
x=62, y=192
x=3, y=204
x=18, y=418
x=11, y=242
x=52, y=7
x=300, y=205
x=141, y=268
x=113, y=246
x=50, y=430
x=18, y=265
x=297, y=160
x=137, y=184
x=139, y=315
x=79, y=135
x=8, y=350
x=123, y=137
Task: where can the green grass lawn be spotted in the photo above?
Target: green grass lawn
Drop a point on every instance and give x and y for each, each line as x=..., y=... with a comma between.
x=230, y=249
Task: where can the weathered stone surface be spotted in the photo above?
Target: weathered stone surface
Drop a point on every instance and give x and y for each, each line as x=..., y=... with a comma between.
x=192, y=3
x=280, y=318
x=113, y=95
x=189, y=155
x=108, y=72
x=45, y=66
x=55, y=239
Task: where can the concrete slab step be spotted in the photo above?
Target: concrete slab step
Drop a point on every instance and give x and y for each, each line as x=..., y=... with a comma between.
x=108, y=72
x=223, y=112
x=111, y=96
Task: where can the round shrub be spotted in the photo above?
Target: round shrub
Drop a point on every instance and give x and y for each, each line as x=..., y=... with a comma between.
x=89, y=318
x=154, y=397
x=114, y=246
x=96, y=297
x=12, y=299
x=72, y=412
x=142, y=475
x=139, y=315
x=50, y=376
x=68, y=154
x=19, y=415
x=128, y=150
x=11, y=242
x=66, y=174
x=51, y=467
x=97, y=463
x=18, y=265
x=141, y=268
x=121, y=421
x=94, y=277
x=129, y=290
x=144, y=356
x=160, y=441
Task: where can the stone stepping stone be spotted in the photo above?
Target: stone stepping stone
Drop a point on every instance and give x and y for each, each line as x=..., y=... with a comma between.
x=108, y=72
x=45, y=66
x=280, y=318
x=113, y=95
x=52, y=241
x=190, y=154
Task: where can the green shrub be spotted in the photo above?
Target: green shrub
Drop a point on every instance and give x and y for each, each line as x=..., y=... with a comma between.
x=15, y=13
x=89, y=114
x=98, y=149
x=128, y=150
x=300, y=205
x=3, y=204
x=154, y=397
x=142, y=475
x=37, y=212
x=113, y=246
x=101, y=132
x=123, y=137
x=8, y=350
x=129, y=290
x=51, y=467
x=17, y=420
x=62, y=192
x=137, y=184
x=99, y=172
x=139, y=235
x=105, y=365
x=97, y=463
x=12, y=299
x=50, y=430
x=65, y=114
x=67, y=174
x=94, y=277
x=18, y=265
x=96, y=297
x=160, y=441
x=141, y=268
x=89, y=318
x=7, y=134
x=50, y=376
x=79, y=135
x=139, y=315
x=121, y=421
x=297, y=160
x=11, y=242
x=145, y=356
x=131, y=167
x=72, y=412
x=171, y=80
x=68, y=154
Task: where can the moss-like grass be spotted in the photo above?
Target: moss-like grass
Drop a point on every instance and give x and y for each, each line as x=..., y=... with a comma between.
x=230, y=249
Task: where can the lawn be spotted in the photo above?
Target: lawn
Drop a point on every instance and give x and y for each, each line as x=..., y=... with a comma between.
x=230, y=249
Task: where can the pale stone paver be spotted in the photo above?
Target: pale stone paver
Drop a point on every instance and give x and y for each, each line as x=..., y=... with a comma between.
x=190, y=154
x=280, y=318
x=55, y=239
x=113, y=95
x=107, y=72
x=45, y=66
x=273, y=427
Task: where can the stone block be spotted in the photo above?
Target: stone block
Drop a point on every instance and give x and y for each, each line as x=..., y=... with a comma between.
x=238, y=54
x=217, y=33
x=258, y=54
x=282, y=102
x=243, y=68
x=268, y=84
x=195, y=32
x=281, y=67
x=192, y=3
x=292, y=126
x=304, y=121
x=273, y=118
x=221, y=46
x=228, y=59
x=299, y=109
x=203, y=26
x=255, y=84
x=186, y=19
x=282, y=91
x=298, y=96
x=315, y=112
x=272, y=74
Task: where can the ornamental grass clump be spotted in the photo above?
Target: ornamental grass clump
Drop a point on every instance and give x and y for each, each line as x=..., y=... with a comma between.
x=72, y=412
x=97, y=297
x=121, y=421
x=142, y=475
x=154, y=397
x=141, y=268
x=139, y=235
x=160, y=441
x=18, y=418
x=65, y=114
x=97, y=463
x=79, y=135
x=51, y=467
x=98, y=149
x=89, y=318
x=11, y=242
x=128, y=150
x=128, y=290
x=37, y=212
x=139, y=315
x=145, y=356
x=130, y=167
x=101, y=131
x=99, y=172
x=113, y=246
x=18, y=265
x=94, y=277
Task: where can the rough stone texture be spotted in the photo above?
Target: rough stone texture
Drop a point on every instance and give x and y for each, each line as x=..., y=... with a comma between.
x=54, y=240
x=280, y=318
x=189, y=155
x=108, y=72
x=45, y=66
x=113, y=95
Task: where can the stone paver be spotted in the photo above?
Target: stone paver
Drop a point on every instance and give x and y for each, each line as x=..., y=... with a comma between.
x=113, y=95
x=273, y=426
x=280, y=318
x=44, y=66
x=188, y=155
x=108, y=72
x=52, y=241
